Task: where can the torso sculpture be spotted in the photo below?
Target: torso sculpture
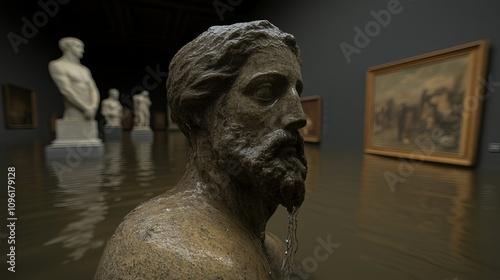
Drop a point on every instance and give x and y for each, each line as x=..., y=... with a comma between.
x=141, y=109
x=74, y=81
x=111, y=109
x=234, y=92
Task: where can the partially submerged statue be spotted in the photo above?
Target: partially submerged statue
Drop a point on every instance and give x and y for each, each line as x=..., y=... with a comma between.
x=78, y=127
x=141, y=109
x=111, y=109
x=74, y=81
x=234, y=92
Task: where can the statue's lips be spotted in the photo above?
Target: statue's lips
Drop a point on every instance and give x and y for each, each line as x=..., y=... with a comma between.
x=287, y=145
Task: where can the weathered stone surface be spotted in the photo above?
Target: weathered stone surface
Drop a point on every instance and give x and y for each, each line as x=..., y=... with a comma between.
x=234, y=92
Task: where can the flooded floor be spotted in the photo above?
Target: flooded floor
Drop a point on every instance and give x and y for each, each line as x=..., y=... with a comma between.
x=364, y=217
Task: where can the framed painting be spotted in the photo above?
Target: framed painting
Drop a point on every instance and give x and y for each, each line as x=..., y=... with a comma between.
x=312, y=109
x=427, y=108
x=19, y=107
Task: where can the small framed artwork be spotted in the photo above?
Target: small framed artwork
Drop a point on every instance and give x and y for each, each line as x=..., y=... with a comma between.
x=19, y=107
x=427, y=108
x=312, y=109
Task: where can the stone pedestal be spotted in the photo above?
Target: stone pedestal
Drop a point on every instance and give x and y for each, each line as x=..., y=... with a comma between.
x=77, y=138
x=142, y=134
x=113, y=133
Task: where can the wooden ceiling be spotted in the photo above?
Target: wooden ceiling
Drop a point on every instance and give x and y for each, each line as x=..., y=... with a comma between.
x=140, y=32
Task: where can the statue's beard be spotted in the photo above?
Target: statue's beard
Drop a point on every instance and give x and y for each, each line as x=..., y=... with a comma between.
x=273, y=164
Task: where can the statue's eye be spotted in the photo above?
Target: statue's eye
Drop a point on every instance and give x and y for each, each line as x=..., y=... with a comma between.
x=264, y=92
x=266, y=88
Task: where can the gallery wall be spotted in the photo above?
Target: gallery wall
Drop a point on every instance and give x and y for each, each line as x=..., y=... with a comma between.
x=416, y=27
x=320, y=27
x=25, y=65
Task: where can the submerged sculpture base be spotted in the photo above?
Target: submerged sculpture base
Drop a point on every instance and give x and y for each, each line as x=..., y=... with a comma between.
x=113, y=133
x=75, y=138
x=142, y=134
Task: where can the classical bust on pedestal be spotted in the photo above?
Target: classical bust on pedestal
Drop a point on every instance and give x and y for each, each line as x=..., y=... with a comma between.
x=234, y=91
x=141, y=110
x=78, y=127
x=111, y=109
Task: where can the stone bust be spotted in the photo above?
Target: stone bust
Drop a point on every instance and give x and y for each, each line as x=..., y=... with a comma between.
x=141, y=109
x=234, y=92
x=111, y=108
x=74, y=81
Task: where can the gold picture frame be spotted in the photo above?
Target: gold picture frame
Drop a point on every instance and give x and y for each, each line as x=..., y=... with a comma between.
x=312, y=109
x=428, y=107
x=19, y=107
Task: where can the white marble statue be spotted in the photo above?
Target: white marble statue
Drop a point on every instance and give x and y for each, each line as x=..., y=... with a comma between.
x=111, y=109
x=78, y=127
x=141, y=109
x=74, y=81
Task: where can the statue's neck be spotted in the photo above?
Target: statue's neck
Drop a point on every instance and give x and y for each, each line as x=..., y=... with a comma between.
x=242, y=202
x=71, y=58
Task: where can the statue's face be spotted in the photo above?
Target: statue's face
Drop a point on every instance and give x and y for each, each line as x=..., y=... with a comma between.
x=113, y=94
x=258, y=128
x=76, y=48
x=267, y=92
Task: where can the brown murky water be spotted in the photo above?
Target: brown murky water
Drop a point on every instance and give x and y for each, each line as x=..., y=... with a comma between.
x=439, y=222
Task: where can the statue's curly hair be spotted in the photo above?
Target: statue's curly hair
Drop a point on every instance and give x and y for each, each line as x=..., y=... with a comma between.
x=205, y=68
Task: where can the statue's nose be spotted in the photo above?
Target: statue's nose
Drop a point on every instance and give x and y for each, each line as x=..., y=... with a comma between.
x=294, y=122
x=294, y=117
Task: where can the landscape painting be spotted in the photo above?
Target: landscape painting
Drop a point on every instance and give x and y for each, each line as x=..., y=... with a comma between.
x=427, y=108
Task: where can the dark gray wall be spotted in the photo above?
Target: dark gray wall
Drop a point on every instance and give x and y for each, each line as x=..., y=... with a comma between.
x=319, y=26
x=28, y=68
x=421, y=26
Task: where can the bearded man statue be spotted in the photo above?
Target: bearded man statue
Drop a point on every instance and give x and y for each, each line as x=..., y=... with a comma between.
x=234, y=91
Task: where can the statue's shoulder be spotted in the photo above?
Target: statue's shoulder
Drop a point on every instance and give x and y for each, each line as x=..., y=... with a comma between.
x=139, y=247
x=163, y=239
x=60, y=66
x=56, y=65
x=165, y=215
x=56, y=61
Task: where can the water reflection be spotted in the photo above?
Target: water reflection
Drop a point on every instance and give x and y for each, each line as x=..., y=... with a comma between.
x=416, y=210
x=459, y=216
x=144, y=163
x=79, y=189
x=441, y=222
x=113, y=174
